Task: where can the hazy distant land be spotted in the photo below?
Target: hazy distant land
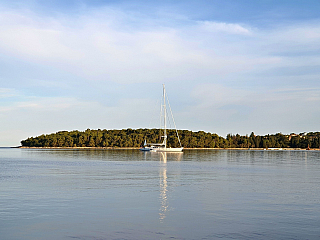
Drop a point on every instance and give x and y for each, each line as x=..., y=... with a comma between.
x=134, y=138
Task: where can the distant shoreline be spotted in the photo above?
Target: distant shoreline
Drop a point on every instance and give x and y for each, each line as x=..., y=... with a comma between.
x=136, y=148
x=133, y=138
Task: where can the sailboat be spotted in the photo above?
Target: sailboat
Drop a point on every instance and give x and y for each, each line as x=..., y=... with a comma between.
x=162, y=147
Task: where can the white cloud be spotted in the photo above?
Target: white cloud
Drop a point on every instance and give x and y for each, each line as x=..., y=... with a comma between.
x=101, y=46
x=34, y=38
x=7, y=92
x=36, y=104
x=104, y=45
x=301, y=34
x=231, y=28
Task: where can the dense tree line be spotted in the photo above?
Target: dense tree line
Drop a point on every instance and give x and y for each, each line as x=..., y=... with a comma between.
x=189, y=139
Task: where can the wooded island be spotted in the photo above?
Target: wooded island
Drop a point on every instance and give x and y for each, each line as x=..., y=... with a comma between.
x=135, y=138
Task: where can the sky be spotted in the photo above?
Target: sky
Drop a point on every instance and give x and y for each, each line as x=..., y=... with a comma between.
x=229, y=66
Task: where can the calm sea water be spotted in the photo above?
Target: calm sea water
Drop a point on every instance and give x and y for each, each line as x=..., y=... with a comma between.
x=127, y=194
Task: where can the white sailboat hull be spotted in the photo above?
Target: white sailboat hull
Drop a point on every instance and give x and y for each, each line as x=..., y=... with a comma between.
x=169, y=149
x=157, y=149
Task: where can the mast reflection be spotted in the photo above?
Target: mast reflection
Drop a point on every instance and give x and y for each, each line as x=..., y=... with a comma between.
x=163, y=187
x=164, y=183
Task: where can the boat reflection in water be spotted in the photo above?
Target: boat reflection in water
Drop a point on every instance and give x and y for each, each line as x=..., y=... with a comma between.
x=164, y=207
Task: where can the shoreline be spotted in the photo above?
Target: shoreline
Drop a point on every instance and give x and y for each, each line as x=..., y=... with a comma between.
x=137, y=148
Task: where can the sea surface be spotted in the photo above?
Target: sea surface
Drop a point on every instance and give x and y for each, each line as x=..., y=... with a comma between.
x=128, y=194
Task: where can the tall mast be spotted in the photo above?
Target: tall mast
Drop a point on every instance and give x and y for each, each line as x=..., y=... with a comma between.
x=165, y=117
